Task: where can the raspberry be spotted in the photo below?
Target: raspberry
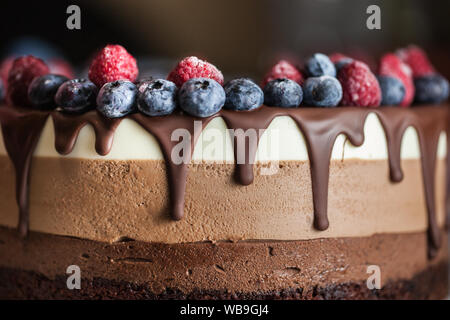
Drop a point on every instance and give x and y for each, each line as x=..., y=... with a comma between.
x=336, y=57
x=5, y=66
x=283, y=70
x=417, y=60
x=22, y=72
x=193, y=67
x=392, y=66
x=113, y=63
x=61, y=67
x=360, y=86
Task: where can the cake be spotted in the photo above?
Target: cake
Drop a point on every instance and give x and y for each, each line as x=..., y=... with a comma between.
x=319, y=198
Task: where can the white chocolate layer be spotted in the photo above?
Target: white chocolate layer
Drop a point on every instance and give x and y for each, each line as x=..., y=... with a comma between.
x=281, y=141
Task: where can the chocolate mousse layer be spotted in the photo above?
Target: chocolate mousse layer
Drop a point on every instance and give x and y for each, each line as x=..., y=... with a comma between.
x=333, y=268
x=106, y=200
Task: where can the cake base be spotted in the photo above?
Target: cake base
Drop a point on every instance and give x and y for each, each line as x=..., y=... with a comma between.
x=334, y=268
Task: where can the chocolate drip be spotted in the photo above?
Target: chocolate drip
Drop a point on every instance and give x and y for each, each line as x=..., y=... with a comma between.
x=320, y=127
x=21, y=132
x=321, y=131
x=162, y=128
x=259, y=120
x=67, y=128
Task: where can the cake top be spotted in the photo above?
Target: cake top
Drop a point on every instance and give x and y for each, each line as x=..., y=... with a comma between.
x=196, y=87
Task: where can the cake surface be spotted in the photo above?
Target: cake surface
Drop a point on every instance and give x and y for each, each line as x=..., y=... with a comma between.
x=322, y=183
x=102, y=197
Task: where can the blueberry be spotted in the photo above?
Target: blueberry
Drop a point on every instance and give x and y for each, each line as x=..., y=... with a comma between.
x=342, y=63
x=431, y=89
x=157, y=98
x=283, y=93
x=76, y=96
x=117, y=99
x=243, y=95
x=42, y=91
x=201, y=97
x=322, y=91
x=320, y=65
x=141, y=84
x=2, y=90
x=392, y=91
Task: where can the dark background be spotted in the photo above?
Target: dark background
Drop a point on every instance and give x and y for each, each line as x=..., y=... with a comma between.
x=242, y=37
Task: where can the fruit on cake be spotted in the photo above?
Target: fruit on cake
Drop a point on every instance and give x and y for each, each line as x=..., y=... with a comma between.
x=192, y=187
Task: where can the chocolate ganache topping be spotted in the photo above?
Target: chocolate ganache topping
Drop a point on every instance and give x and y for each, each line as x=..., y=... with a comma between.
x=320, y=126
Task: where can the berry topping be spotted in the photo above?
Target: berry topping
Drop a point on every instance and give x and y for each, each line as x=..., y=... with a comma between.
x=76, y=96
x=61, y=67
x=117, y=99
x=113, y=63
x=320, y=65
x=283, y=93
x=322, y=91
x=22, y=72
x=392, y=90
x=243, y=95
x=283, y=69
x=392, y=66
x=5, y=66
x=2, y=90
x=157, y=97
x=339, y=60
x=417, y=59
x=431, y=89
x=201, y=97
x=42, y=91
x=141, y=84
x=337, y=56
x=193, y=67
x=359, y=86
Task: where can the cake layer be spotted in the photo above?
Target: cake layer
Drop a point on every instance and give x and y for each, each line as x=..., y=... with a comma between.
x=321, y=268
x=282, y=140
x=107, y=200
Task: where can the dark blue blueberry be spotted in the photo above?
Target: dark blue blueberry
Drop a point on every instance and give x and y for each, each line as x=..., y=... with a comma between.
x=157, y=98
x=2, y=90
x=117, y=99
x=243, y=95
x=76, y=96
x=322, y=91
x=283, y=93
x=320, y=65
x=431, y=89
x=342, y=63
x=42, y=91
x=142, y=83
x=392, y=90
x=201, y=97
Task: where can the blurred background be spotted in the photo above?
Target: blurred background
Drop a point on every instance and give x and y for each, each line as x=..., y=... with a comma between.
x=243, y=38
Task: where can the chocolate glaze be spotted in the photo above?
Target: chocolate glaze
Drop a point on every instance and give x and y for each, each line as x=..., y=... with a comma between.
x=320, y=127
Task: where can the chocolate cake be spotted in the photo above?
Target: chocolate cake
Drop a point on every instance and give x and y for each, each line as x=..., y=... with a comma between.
x=320, y=196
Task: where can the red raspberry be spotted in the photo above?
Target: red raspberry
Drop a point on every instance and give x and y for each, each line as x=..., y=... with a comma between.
x=22, y=72
x=417, y=60
x=283, y=69
x=5, y=66
x=113, y=63
x=391, y=65
x=335, y=57
x=193, y=67
x=359, y=86
x=61, y=67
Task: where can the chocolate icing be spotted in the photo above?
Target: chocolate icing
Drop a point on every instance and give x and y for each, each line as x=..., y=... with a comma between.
x=320, y=127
